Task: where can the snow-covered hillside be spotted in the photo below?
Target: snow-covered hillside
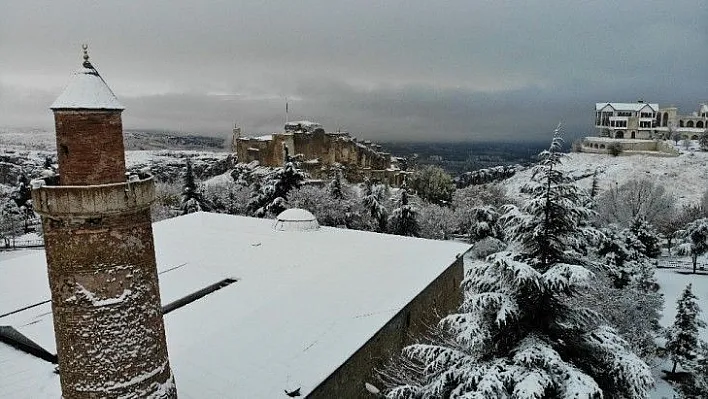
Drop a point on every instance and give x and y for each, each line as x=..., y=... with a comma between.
x=686, y=176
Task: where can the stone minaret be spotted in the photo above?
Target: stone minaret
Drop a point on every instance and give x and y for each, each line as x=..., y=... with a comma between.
x=100, y=253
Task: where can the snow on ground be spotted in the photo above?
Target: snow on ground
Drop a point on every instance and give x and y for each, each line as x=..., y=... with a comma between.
x=678, y=174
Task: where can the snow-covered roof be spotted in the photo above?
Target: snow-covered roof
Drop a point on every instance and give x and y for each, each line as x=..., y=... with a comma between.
x=87, y=90
x=302, y=303
x=634, y=107
x=302, y=123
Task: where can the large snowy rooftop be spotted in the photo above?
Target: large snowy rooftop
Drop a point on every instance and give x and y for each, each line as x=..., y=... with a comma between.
x=301, y=304
x=627, y=106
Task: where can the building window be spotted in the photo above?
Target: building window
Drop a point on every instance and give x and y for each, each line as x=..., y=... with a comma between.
x=699, y=124
x=689, y=124
x=666, y=118
x=619, y=134
x=624, y=113
x=634, y=135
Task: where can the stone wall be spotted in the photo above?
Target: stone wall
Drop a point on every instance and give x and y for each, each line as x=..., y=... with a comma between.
x=319, y=151
x=439, y=298
x=600, y=145
x=90, y=147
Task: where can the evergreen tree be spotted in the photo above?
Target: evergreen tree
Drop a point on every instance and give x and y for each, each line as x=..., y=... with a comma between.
x=516, y=335
x=192, y=199
x=484, y=223
x=335, y=187
x=646, y=234
x=373, y=203
x=403, y=220
x=623, y=256
x=287, y=179
x=595, y=187
x=682, y=337
x=269, y=198
x=697, y=232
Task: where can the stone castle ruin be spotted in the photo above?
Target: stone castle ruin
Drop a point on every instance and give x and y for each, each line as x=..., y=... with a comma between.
x=318, y=152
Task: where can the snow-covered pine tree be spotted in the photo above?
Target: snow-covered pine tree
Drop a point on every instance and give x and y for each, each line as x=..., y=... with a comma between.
x=647, y=235
x=623, y=255
x=373, y=203
x=269, y=197
x=697, y=232
x=595, y=187
x=484, y=223
x=403, y=220
x=682, y=337
x=192, y=199
x=335, y=186
x=516, y=335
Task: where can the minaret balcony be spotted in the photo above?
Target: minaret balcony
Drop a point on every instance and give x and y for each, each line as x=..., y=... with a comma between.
x=93, y=201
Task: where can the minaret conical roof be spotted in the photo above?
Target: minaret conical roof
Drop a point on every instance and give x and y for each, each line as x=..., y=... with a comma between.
x=87, y=90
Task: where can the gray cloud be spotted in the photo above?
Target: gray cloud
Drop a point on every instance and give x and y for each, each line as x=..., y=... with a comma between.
x=393, y=70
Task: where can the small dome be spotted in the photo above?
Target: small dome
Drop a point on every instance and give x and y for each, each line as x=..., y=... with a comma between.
x=296, y=220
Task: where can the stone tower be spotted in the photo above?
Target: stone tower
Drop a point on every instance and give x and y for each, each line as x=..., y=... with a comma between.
x=100, y=254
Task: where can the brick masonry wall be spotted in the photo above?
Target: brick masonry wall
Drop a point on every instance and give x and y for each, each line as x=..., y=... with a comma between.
x=106, y=305
x=90, y=147
x=439, y=298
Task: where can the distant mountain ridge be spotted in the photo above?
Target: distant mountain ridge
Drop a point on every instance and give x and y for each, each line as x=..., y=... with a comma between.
x=134, y=139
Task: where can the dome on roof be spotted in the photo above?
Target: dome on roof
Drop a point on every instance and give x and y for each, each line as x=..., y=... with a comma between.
x=296, y=219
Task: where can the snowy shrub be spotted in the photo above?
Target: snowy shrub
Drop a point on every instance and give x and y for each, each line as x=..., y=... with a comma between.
x=436, y=222
x=614, y=149
x=328, y=210
x=516, y=335
x=231, y=198
x=433, y=184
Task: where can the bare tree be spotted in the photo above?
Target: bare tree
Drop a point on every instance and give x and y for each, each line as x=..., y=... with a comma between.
x=634, y=199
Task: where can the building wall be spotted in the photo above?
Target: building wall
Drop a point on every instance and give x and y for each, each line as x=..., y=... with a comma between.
x=441, y=297
x=81, y=159
x=599, y=145
x=105, y=296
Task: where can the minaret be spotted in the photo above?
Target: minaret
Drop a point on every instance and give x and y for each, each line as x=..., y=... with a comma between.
x=100, y=253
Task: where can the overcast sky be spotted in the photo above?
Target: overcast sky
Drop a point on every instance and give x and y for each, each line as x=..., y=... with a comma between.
x=384, y=70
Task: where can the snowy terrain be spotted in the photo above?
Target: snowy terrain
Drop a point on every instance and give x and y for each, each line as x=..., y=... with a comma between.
x=686, y=176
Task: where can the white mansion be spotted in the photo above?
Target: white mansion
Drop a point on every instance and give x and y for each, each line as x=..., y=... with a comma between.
x=642, y=120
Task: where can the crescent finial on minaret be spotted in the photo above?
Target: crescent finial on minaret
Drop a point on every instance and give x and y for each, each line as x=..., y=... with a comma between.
x=87, y=64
